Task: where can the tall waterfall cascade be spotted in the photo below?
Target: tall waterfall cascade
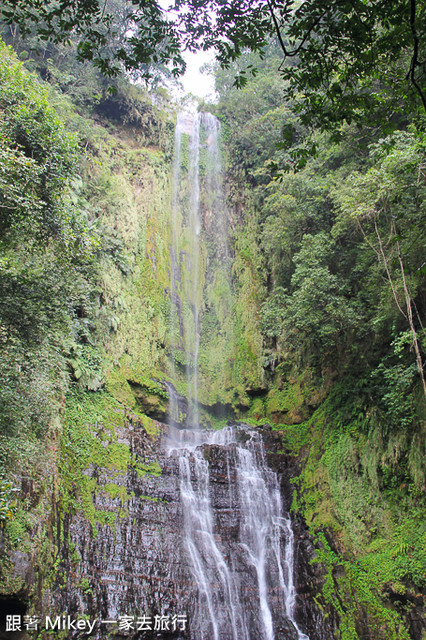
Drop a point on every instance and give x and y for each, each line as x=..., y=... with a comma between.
x=238, y=543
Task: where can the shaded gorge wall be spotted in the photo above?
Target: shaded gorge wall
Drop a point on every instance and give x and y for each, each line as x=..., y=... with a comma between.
x=88, y=367
x=202, y=336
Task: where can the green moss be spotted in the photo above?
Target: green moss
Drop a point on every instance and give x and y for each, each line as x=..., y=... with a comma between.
x=119, y=388
x=257, y=409
x=295, y=436
x=116, y=491
x=287, y=402
x=212, y=421
x=74, y=555
x=151, y=426
x=89, y=441
x=378, y=536
x=106, y=322
x=276, y=401
x=94, y=423
x=85, y=586
x=350, y=584
x=153, y=386
x=17, y=531
x=152, y=468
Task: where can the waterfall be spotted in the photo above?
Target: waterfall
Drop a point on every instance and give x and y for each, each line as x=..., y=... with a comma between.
x=185, y=261
x=243, y=572
x=193, y=341
x=175, y=314
x=237, y=543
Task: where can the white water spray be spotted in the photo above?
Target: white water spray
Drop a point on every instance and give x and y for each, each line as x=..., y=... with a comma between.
x=243, y=577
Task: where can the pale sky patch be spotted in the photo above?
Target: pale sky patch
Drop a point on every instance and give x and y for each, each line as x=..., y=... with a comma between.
x=195, y=82
x=199, y=84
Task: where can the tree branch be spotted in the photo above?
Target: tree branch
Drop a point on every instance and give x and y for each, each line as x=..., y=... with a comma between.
x=408, y=304
x=291, y=54
x=415, y=57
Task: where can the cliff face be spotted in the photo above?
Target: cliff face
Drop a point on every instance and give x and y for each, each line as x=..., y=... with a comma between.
x=132, y=567
x=140, y=566
x=84, y=304
x=99, y=526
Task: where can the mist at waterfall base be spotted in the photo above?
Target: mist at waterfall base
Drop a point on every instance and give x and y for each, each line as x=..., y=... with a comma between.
x=243, y=590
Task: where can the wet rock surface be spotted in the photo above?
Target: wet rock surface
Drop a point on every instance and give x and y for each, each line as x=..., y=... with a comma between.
x=135, y=577
x=320, y=622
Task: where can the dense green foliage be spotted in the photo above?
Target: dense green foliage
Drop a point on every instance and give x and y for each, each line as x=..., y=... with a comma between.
x=83, y=214
x=44, y=242
x=349, y=59
x=67, y=265
x=316, y=327
x=339, y=297
x=136, y=36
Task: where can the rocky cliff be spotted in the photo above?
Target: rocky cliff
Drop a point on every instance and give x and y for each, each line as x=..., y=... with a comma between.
x=138, y=566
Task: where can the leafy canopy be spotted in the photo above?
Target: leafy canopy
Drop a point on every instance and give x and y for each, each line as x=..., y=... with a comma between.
x=344, y=59
x=133, y=36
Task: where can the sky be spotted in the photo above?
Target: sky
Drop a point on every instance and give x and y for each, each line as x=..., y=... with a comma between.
x=201, y=85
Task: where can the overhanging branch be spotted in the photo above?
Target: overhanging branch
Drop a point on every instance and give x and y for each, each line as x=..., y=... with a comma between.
x=294, y=52
x=415, y=57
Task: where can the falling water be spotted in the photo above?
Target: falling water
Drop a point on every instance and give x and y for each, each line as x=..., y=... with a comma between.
x=242, y=573
x=175, y=313
x=215, y=188
x=193, y=341
x=185, y=261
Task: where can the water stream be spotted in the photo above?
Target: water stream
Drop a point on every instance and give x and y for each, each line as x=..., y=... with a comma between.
x=238, y=543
